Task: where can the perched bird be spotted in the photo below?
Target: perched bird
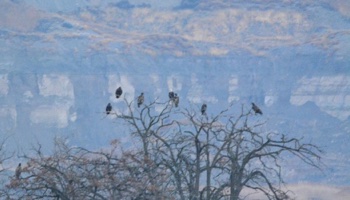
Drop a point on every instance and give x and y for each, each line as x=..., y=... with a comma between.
x=140, y=100
x=171, y=95
x=176, y=100
x=18, y=171
x=256, y=109
x=108, y=108
x=118, y=92
x=70, y=187
x=204, y=108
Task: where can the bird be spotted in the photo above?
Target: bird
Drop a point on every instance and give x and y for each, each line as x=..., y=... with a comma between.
x=176, y=100
x=108, y=108
x=18, y=171
x=140, y=100
x=204, y=108
x=171, y=95
x=118, y=92
x=256, y=109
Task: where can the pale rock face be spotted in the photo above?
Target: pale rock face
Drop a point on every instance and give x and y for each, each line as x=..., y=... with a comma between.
x=56, y=85
x=50, y=115
x=28, y=95
x=330, y=93
x=57, y=113
x=9, y=114
x=174, y=83
x=73, y=117
x=155, y=80
x=199, y=95
x=270, y=100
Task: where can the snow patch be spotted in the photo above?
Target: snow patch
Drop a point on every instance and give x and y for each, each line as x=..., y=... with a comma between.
x=270, y=100
x=174, y=83
x=195, y=93
x=55, y=85
x=28, y=95
x=73, y=117
x=156, y=85
x=233, y=86
x=51, y=115
x=157, y=90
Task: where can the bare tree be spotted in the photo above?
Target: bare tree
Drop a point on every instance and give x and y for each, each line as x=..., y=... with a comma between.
x=145, y=125
x=248, y=156
x=78, y=173
x=4, y=157
x=216, y=158
x=177, y=154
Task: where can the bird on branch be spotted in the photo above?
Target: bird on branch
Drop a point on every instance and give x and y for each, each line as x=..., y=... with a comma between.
x=18, y=171
x=140, y=100
x=176, y=100
x=118, y=92
x=204, y=108
x=108, y=108
x=256, y=109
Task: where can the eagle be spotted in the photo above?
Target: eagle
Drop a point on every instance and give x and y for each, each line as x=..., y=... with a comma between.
x=108, y=108
x=204, y=108
x=171, y=95
x=256, y=109
x=118, y=92
x=140, y=100
x=176, y=100
x=18, y=171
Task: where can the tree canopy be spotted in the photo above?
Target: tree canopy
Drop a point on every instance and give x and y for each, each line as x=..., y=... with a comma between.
x=178, y=153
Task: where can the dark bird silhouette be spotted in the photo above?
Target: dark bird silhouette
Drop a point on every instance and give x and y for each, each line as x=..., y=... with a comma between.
x=108, y=108
x=118, y=92
x=140, y=100
x=18, y=171
x=176, y=100
x=256, y=109
x=171, y=95
x=204, y=108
